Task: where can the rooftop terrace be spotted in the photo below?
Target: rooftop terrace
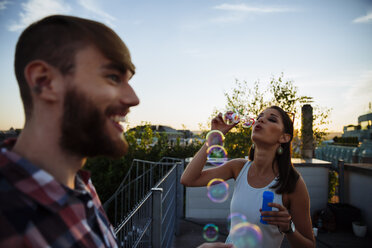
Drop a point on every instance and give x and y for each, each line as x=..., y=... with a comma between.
x=191, y=236
x=162, y=217
x=198, y=212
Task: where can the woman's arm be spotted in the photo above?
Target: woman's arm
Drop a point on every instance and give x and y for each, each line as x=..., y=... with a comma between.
x=299, y=202
x=215, y=245
x=194, y=176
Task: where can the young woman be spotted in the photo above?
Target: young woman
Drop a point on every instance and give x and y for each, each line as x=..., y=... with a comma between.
x=269, y=168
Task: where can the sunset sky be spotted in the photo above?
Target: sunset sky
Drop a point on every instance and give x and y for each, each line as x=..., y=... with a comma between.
x=188, y=53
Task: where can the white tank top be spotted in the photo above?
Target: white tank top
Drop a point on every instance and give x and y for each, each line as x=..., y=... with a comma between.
x=247, y=200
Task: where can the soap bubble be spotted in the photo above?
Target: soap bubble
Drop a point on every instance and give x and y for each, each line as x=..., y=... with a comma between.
x=231, y=117
x=247, y=122
x=234, y=219
x=246, y=235
x=218, y=190
x=216, y=155
x=215, y=137
x=210, y=232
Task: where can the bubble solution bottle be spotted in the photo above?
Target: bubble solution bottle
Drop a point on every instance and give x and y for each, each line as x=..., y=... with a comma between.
x=267, y=197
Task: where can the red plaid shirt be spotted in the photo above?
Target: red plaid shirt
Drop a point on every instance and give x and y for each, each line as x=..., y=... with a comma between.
x=38, y=211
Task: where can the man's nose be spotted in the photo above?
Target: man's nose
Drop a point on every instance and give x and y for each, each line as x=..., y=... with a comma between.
x=129, y=96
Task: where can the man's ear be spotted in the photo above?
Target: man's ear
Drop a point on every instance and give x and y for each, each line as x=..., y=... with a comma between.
x=285, y=138
x=40, y=77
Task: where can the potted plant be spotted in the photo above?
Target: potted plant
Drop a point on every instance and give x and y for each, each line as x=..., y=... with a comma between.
x=359, y=228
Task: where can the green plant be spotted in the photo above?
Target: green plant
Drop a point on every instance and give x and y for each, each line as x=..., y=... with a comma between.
x=144, y=143
x=250, y=101
x=346, y=141
x=332, y=184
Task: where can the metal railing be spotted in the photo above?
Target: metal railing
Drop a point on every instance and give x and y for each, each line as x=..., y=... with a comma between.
x=146, y=206
x=333, y=153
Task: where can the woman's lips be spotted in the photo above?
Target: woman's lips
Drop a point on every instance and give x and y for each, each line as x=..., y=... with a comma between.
x=257, y=127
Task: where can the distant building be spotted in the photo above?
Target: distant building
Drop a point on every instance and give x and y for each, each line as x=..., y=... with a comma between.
x=185, y=137
x=363, y=131
x=359, y=153
x=11, y=133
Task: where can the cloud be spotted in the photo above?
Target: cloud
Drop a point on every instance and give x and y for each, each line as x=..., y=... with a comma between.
x=228, y=19
x=239, y=12
x=360, y=93
x=3, y=4
x=94, y=8
x=363, y=87
x=34, y=10
x=251, y=9
x=363, y=19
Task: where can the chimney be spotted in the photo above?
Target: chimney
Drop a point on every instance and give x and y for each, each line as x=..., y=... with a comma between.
x=307, y=131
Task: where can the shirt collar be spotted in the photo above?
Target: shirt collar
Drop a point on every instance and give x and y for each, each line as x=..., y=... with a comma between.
x=39, y=184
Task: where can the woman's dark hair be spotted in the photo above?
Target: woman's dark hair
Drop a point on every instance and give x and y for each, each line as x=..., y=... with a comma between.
x=288, y=175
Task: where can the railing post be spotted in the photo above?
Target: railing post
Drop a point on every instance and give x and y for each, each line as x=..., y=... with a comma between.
x=179, y=196
x=115, y=211
x=341, y=180
x=156, y=237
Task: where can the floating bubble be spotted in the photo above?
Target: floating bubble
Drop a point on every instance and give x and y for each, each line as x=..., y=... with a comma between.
x=234, y=219
x=246, y=235
x=247, y=122
x=210, y=232
x=231, y=117
x=218, y=190
x=215, y=137
x=216, y=155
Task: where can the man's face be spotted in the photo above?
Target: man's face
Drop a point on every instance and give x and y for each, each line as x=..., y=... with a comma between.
x=97, y=98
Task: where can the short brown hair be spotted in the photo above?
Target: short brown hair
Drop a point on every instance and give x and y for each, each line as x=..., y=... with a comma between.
x=56, y=40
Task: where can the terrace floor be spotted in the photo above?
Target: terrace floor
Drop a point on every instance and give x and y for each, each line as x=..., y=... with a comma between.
x=191, y=236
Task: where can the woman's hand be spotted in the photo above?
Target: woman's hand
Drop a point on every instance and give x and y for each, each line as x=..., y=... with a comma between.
x=279, y=218
x=216, y=245
x=219, y=124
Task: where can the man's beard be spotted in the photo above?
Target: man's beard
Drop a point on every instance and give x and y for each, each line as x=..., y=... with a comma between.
x=83, y=129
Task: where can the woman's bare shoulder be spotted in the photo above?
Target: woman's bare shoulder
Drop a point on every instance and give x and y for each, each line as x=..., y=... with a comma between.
x=237, y=165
